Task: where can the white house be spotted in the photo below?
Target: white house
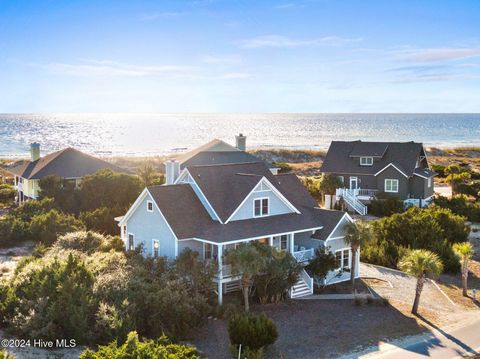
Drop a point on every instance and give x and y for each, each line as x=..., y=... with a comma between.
x=214, y=207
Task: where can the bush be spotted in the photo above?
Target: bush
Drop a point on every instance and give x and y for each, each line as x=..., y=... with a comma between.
x=385, y=205
x=45, y=227
x=89, y=242
x=100, y=220
x=7, y=193
x=253, y=332
x=460, y=205
x=435, y=229
x=322, y=263
x=283, y=167
x=440, y=169
x=146, y=349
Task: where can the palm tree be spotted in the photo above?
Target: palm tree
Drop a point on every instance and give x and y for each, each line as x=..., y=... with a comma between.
x=245, y=261
x=464, y=251
x=421, y=264
x=356, y=235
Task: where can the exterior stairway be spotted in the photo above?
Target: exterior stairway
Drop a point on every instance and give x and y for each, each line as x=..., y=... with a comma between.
x=350, y=198
x=303, y=287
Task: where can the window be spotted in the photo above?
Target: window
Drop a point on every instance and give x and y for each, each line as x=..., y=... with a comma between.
x=342, y=258
x=429, y=182
x=260, y=207
x=342, y=179
x=149, y=206
x=208, y=250
x=366, y=161
x=131, y=242
x=155, y=248
x=391, y=185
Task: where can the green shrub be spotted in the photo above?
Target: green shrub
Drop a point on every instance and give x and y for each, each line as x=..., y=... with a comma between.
x=322, y=263
x=435, y=229
x=89, y=242
x=440, y=169
x=7, y=193
x=46, y=226
x=253, y=332
x=6, y=355
x=100, y=220
x=385, y=205
x=283, y=167
x=161, y=348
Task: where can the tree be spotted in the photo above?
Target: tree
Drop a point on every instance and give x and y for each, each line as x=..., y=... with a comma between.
x=456, y=175
x=146, y=173
x=356, y=235
x=245, y=261
x=464, y=251
x=329, y=183
x=420, y=264
x=322, y=263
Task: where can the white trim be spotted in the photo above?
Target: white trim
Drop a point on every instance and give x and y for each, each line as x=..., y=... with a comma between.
x=356, y=182
x=128, y=241
x=161, y=214
x=153, y=247
x=416, y=174
x=148, y=203
x=203, y=195
x=274, y=190
x=391, y=185
x=345, y=216
x=366, y=164
x=349, y=249
x=390, y=164
x=429, y=182
x=261, y=207
x=249, y=239
x=133, y=207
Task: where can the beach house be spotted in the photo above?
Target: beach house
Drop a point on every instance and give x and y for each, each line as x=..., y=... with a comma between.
x=213, y=207
x=367, y=169
x=69, y=164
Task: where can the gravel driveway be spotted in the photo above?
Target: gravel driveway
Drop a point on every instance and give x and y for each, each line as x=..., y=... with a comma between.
x=402, y=288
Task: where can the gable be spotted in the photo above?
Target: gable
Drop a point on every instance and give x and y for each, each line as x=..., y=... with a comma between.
x=277, y=205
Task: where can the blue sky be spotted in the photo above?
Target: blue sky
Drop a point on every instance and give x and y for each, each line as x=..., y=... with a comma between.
x=240, y=56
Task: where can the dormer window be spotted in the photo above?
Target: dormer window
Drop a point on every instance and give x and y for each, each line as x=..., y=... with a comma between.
x=366, y=161
x=260, y=207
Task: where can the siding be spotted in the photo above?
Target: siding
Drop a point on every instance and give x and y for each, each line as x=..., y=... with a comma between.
x=332, y=277
x=392, y=173
x=193, y=245
x=303, y=240
x=419, y=187
x=146, y=226
x=276, y=205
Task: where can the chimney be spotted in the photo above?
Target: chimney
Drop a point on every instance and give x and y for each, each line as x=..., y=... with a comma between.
x=172, y=171
x=241, y=142
x=34, y=151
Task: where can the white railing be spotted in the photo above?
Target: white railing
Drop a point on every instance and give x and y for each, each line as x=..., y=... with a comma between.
x=304, y=255
x=367, y=192
x=307, y=279
x=350, y=197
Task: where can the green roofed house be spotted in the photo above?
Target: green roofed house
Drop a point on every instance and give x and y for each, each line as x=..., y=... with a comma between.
x=217, y=197
x=69, y=164
x=398, y=169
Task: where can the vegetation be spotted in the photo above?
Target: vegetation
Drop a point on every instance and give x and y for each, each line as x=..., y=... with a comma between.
x=456, y=175
x=329, y=183
x=246, y=261
x=460, y=205
x=149, y=176
x=356, y=235
x=279, y=273
x=385, y=205
x=464, y=251
x=162, y=348
x=435, y=229
x=283, y=167
x=7, y=194
x=252, y=332
x=86, y=288
x=420, y=264
x=313, y=186
x=323, y=262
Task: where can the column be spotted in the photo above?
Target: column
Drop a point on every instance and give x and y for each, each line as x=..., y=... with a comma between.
x=220, y=273
x=291, y=244
x=270, y=241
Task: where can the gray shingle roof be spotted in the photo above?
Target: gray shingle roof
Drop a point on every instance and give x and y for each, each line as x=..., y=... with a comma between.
x=226, y=186
x=215, y=152
x=66, y=163
x=339, y=158
x=425, y=172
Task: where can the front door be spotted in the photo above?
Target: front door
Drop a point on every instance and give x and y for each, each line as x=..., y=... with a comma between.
x=353, y=182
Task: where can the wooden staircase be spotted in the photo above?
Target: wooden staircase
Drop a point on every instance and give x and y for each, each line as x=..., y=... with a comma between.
x=303, y=287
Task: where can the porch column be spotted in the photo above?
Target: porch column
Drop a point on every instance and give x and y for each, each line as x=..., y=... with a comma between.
x=291, y=244
x=220, y=273
x=270, y=241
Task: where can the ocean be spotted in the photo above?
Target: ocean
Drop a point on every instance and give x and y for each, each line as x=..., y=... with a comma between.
x=159, y=134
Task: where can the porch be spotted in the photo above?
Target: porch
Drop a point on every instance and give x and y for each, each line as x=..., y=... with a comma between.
x=354, y=197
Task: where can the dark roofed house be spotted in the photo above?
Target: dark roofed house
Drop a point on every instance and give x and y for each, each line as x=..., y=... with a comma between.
x=399, y=169
x=69, y=164
x=221, y=197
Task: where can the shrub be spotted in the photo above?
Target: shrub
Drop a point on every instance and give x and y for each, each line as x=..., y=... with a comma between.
x=253, y=332
x=435, y=229
x=45, y=227
x=146, y=349
x=440, y=169
x=100, y=220
x=89, y=242
x=7, y=193
x=322, y=263
x=460, y=205
x=385, y=205
x=283, y=167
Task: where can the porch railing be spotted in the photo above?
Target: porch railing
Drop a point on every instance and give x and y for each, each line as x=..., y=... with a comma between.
x=304, y=255
x=367, y=192
x=307, y=279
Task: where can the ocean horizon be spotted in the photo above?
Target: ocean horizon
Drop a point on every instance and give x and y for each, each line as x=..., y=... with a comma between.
x=127, y=134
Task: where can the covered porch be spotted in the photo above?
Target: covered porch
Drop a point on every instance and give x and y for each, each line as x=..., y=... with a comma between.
x=299, y=244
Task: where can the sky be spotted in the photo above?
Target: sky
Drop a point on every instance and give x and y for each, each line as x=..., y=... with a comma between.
x=239, y=56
